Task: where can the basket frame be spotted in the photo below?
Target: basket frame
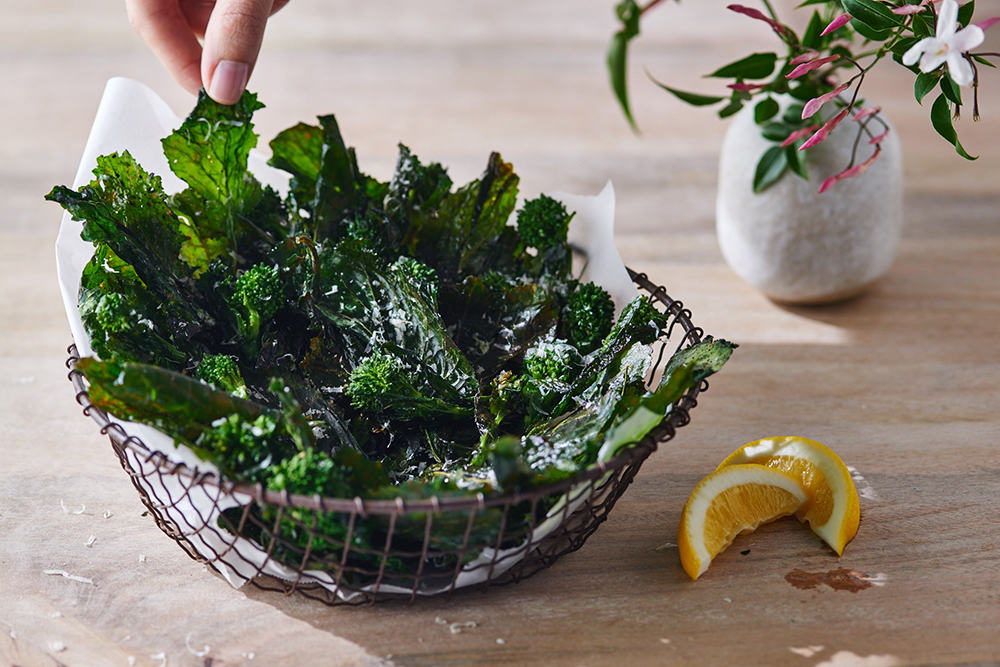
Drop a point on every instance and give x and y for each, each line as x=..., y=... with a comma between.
x=590, y=496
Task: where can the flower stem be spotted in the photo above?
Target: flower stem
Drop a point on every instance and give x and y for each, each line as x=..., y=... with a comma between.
x=770, y=9
x=649, y=6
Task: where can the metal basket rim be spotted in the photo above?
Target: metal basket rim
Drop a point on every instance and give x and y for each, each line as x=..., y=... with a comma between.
x=631, y=451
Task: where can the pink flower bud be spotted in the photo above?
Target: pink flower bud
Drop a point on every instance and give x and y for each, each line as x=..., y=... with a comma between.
x=823, y=132
x=803, y=57
x=746, y=87
x=856, y=170
x=988, y=23
x=813, y=105
x=864, y=113
x=880, y=138
x=836, y=24
x=810, y=66
x=798, y=134
x=908, y=9
x=760, y=16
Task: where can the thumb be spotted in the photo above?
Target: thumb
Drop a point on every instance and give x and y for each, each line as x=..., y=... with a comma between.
x=232, y=41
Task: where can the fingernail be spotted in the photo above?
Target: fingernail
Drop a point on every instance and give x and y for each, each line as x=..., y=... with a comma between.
x=228, y=82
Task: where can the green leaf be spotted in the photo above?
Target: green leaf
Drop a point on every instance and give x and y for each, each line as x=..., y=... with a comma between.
x=951, y=90
x=415, y=192
x=693, y=99
x=125, y=207
x=903, y=45
x=805, y=91
x=775, y=132
x=873, y=14
x=639, y=323
x=965, y=13
x=180, y=405
x=475, y=313
x=209, y=152
x=617, y=61
x=731, y=108
x=299, y=151
x=811, y=39
x=983, y=61
x=198, y=252
x=770, y=168
x=123, y=318
x=921, y=27
x=923, y=84
x=629, y=13
x=793, y=114
x=765, y=110
x=796, y=160
x=870, y=33
x=754, y=66
x=462, y=238
x=684, y=370
x=941, y=120
x=340, y=185
x=370, y=304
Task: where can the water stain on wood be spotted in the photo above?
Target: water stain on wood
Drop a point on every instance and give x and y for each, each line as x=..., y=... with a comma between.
x=841, y=579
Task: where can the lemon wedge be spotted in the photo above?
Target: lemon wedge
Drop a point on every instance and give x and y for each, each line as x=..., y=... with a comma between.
x=832, y=509
x=732, y=500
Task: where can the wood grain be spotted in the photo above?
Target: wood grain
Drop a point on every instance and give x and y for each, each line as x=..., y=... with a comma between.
x=904, y=382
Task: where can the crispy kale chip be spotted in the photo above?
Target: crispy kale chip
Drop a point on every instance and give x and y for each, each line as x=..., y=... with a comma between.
x=469, y=233
x=384, y=383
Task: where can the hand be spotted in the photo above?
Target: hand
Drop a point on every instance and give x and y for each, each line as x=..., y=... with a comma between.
x=232, y=31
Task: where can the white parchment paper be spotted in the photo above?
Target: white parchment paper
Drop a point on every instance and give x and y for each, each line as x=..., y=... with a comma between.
x=131, y=117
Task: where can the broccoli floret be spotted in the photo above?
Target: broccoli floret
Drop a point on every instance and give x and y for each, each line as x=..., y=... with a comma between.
x=221, y=370
x=421, y=276
x=589, y=316
x=505, y=398
x=308, y=473
x=556, y=360
x=549, y=370
x=114, y=314
x=543, y=223
x=244, y=450
x=119, y=331
x=497, y=282
x=381, y=383
x=259, y=292
x=505, y=395
x=372, y=381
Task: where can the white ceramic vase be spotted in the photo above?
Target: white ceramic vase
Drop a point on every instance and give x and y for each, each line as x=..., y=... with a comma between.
x=798, y=246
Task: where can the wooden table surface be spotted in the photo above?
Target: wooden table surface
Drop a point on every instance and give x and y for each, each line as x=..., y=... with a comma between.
x=904, y=382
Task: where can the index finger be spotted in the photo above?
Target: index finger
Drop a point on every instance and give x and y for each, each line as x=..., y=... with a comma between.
x=162, y=25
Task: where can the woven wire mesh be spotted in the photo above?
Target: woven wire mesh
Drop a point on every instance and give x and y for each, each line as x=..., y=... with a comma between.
x=356, y=550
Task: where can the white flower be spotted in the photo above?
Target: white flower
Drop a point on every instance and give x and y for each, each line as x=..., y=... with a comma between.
x=947, y=46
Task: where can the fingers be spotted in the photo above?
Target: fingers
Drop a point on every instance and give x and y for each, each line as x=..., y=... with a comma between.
x=164, y=27
x=232, y=41
x=197, y=13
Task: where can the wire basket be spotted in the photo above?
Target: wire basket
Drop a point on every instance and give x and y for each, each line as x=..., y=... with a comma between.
x=312, y=545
